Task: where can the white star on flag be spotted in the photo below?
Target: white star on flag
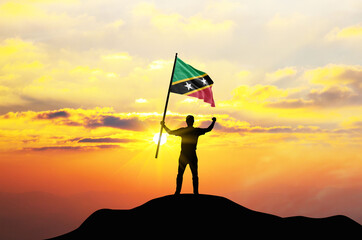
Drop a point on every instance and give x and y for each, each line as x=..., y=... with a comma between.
x=188, y=85
x=203, y=80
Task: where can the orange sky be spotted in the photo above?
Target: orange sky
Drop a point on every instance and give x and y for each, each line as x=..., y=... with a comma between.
x=83, y=85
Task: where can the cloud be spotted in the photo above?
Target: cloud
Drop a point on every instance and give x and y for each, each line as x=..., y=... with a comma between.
x=281, y=21
x=335, y=96
x=33, y=19
x=93, y=118
x=352, y=32
x=115, y=122
x=34, y=77
x=230, y=125
x=342, y=87
x=88, y=129
x=358, y=124
x=89, y=71
x=18, y=50
x=261, y=129
x=159, y=64
x=219, y=127
x=72, y=148
x=258, y=93
x=333, y=74
x=352, y=124
x=331, y=97
x=280, y=74
x=55, y=114
x=88, y=118
x=16, y=9
x=63, y=127
x=290, y=103
x=117, y=57
x=176, y=24
x=105, y=140
x=141, y=100
x=255, y=99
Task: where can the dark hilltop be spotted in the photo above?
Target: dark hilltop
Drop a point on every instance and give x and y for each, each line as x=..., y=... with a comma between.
x=206, y=216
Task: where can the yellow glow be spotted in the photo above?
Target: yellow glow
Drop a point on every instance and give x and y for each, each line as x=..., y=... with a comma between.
x=117, y=56
x=331, y=74
x=353, y=31
x=243, y=74
x=12, y=9
x=141, y=100
x=281, y=73
x=159, y=64
x=258, y=93
x=170, y=21
x=163, y=138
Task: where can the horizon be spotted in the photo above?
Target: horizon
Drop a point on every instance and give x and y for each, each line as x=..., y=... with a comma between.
x=83, y=87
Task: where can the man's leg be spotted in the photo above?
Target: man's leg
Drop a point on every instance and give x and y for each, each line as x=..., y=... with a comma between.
x=181, y=169
x=195, y=177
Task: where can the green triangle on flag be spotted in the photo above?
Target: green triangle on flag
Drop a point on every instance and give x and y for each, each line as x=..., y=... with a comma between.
x=192, y=82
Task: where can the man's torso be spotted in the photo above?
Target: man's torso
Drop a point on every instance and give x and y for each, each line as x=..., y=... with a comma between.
x=190, y=136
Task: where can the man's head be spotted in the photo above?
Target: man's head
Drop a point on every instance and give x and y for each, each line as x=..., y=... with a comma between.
x=190, y=120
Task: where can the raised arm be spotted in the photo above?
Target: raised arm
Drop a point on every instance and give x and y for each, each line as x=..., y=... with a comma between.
x=169, y=131
x=211, y=125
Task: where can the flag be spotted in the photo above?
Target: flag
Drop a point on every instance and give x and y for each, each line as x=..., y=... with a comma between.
x=192, y=82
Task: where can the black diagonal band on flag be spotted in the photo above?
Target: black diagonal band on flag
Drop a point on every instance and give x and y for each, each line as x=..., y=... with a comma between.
x=193, y=85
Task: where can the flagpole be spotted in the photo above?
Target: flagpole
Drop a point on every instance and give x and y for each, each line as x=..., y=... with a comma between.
x=164, y=112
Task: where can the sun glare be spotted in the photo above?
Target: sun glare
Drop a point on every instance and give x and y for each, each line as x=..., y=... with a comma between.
x=163, y=138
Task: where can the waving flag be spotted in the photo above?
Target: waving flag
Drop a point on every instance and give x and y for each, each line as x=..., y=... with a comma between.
x=188, y=81
x=192, y=82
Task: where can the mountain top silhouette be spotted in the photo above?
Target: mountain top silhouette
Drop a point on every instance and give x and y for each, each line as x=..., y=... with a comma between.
x=206, y=216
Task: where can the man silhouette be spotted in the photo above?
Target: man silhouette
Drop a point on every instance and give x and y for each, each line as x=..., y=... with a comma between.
x=188, y=155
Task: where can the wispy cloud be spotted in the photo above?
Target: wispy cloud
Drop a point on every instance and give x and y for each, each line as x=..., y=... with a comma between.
x=51, y=115
x=115, y=122
x=80, y=129
x=106, y=140
x=348, y=33
x=341, y=88
x=71, y=148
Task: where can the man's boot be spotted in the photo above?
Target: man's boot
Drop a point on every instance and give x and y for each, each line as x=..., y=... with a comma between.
x=195, y=183
x=178, y=185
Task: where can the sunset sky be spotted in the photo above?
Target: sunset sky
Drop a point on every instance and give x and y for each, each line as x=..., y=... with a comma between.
x=83, y=86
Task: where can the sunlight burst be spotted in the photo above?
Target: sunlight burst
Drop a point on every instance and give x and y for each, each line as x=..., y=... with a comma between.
x=163, y=138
